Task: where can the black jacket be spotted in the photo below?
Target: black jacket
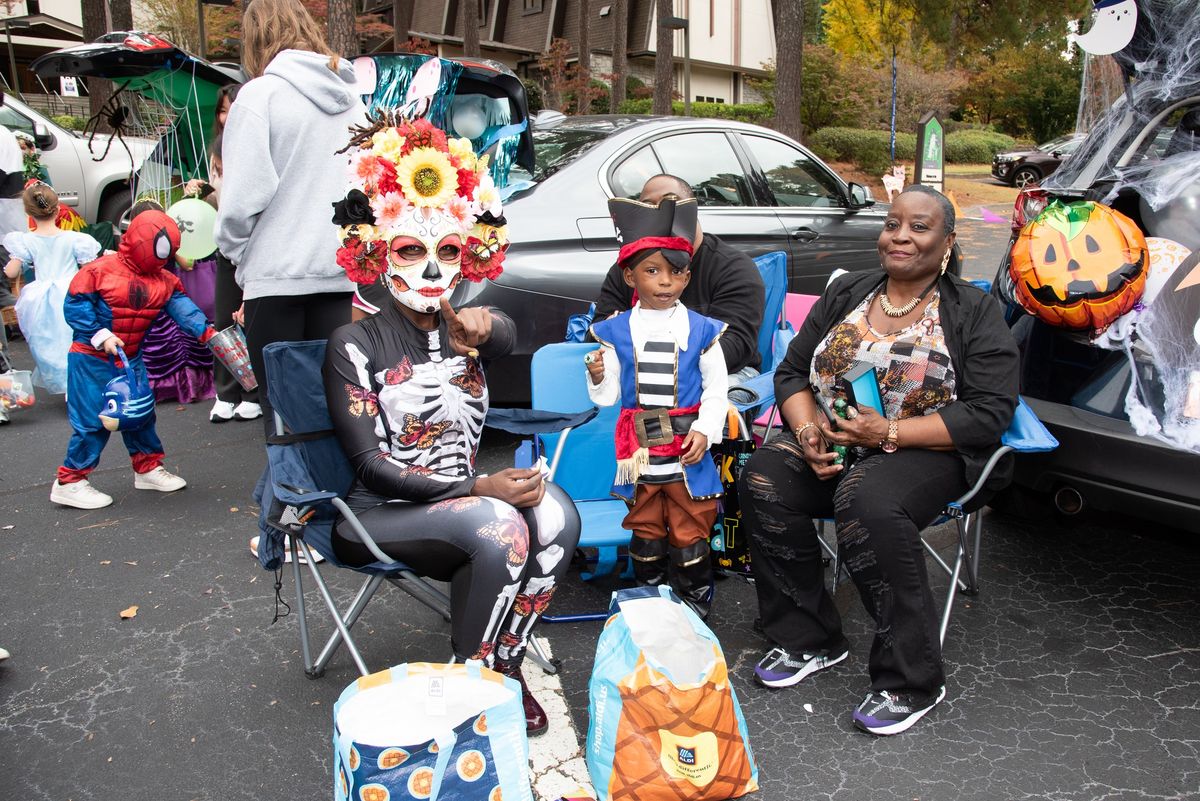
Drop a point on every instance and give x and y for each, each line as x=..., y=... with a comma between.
x=725, y=286
x=981, y=347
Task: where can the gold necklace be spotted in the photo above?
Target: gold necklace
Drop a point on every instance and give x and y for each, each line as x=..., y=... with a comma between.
x=891, y=310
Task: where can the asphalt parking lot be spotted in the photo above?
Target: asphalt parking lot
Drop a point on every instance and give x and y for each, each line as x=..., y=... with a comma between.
x=1073, y=675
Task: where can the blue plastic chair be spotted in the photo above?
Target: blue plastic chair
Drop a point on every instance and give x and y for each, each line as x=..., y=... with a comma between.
x=1025, y=434
x=773, y=269
x=583, y=458
x=302, y=492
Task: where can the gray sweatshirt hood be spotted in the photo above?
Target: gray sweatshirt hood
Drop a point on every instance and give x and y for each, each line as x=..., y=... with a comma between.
x=309, y=73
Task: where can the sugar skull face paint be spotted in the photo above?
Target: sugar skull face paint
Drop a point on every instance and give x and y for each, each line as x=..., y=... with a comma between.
x=421, y=214
x=425, y=261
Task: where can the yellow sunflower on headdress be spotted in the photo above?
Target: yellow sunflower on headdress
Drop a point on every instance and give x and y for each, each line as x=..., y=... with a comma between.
x=426, y=177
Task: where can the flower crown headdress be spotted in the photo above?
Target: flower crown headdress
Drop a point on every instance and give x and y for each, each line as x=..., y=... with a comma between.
x=401, y=169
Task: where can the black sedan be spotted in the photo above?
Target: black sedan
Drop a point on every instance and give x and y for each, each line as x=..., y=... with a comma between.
x=758, y=190
x=1021, y=167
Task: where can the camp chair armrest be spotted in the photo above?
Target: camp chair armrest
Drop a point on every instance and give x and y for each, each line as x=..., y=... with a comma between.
x=762, y=387
x=298, y=496
x=353, y=522
x=995, y=458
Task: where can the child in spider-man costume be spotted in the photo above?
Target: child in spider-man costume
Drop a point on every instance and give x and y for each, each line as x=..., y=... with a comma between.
x=110, y=304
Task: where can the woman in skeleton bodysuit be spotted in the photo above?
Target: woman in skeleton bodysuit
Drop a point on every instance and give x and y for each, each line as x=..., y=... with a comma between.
x=408, y=397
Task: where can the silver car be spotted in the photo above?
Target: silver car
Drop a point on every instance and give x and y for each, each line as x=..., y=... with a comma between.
x=94, y=180
x=758, y=190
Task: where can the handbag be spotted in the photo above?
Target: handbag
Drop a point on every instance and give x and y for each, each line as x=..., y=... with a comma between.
x=728, y=543
x=437, y=732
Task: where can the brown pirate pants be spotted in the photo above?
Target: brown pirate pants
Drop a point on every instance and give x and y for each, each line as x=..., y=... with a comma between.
x=667, y=511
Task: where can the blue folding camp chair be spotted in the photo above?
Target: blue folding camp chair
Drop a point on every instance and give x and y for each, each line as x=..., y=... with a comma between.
x=302, y=494
x=773, y=335
x=1025, y=434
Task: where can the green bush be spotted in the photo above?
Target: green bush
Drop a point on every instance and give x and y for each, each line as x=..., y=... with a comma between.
x=857, y=144
x=976, y=147
x=755, y=113
x=864, y=147
x=70, y=122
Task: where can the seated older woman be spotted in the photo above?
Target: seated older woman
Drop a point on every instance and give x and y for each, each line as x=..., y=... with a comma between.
x=947, y=371
x=408, y=397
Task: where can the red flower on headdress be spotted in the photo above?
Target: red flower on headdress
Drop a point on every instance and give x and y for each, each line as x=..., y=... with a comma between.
x=387, y=177
x=422, y=133
x=363, y=262
x=467, y=181
x=482, y=260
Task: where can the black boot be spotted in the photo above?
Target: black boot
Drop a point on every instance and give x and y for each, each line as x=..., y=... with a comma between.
x=692, y=576
x=649, y=561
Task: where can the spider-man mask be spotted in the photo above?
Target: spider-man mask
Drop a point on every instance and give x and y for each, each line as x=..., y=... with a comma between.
x=150, y=243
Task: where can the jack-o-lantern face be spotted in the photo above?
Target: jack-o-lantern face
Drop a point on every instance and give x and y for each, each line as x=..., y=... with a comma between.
x=1079, y=265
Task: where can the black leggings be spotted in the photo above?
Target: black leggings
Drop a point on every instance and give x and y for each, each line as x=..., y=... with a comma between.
x=227, y=299
x=503, y=564
x=289, y=318
x=879, y=507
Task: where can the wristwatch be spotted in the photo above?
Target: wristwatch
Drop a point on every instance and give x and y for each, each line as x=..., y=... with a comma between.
x=891, y=443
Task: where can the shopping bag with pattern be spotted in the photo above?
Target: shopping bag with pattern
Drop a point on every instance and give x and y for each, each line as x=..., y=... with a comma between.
x=436, y=732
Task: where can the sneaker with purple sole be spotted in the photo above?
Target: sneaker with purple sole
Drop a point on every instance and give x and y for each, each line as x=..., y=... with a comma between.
x=781, y=669
x=887, y=712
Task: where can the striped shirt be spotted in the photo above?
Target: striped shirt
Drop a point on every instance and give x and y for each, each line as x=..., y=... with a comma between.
x=656, y=365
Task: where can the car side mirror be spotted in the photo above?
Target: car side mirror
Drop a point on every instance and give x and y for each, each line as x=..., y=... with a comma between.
x=860, y=196
x=1057, y=154
x=42, y=136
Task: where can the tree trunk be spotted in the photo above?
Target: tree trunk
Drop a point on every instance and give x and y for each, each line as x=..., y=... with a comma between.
x=664, y=68
x=122, y=15
x=789, y=65
x=94, y=25
x=468, y=24
x=583, y=73
x=620, y=53
x=340, y=21
x=402, y=15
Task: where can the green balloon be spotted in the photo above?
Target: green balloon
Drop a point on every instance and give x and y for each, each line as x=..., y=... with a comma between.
x=196, y=220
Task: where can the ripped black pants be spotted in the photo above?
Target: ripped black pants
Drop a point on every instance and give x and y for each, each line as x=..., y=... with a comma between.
x=879, y=507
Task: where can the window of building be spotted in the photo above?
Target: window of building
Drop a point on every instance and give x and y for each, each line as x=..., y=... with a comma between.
x=705, y=99
x=531, y=6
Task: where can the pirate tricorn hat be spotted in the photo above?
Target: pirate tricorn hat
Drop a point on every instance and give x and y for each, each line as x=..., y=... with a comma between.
x=642, y=228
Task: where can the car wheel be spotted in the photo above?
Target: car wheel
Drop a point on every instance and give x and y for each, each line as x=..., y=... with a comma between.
x=115, y=207
x=1025, y=176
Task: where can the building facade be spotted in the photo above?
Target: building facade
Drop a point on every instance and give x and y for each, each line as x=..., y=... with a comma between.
x=730, y=40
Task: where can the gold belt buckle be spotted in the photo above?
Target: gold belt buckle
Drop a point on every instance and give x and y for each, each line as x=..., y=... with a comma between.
x=666, y=435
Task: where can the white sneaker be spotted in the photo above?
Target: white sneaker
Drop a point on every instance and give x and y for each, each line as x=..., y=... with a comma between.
x=4, y=654
x=222, y=412
x=158, y=479
x=247, y=411
x=80, y=495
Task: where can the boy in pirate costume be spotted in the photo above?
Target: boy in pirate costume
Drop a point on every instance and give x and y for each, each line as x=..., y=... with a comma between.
x=664, y=365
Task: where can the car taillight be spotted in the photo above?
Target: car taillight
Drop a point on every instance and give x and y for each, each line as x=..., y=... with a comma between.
x=1028, y=206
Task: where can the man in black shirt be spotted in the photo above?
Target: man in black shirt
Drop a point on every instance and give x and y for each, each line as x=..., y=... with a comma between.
x=725, y=285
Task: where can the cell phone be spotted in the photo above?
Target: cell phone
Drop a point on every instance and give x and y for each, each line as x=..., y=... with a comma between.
x=825, y=410
x=860, y=386
x=524, y=458
x=206, y=189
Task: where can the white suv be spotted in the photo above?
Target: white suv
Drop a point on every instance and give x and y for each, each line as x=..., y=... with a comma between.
x=97, y=188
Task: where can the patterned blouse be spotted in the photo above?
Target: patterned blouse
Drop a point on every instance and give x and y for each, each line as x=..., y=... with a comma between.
x=916, y=376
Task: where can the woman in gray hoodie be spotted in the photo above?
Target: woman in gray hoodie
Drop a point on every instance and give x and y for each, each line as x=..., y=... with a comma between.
x=281, y=176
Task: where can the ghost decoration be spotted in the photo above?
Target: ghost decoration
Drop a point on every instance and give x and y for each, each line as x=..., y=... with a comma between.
x=1112, y=29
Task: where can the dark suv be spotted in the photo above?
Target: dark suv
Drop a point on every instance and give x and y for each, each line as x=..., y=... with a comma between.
x=1023, y=167
x=1143, y=160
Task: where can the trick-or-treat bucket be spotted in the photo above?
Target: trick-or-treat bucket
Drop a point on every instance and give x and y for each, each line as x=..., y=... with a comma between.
x=16, y=390
x=431, y=732
x=229, y=346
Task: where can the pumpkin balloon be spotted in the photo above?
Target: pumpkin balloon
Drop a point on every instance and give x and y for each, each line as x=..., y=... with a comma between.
x=1079, y=265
